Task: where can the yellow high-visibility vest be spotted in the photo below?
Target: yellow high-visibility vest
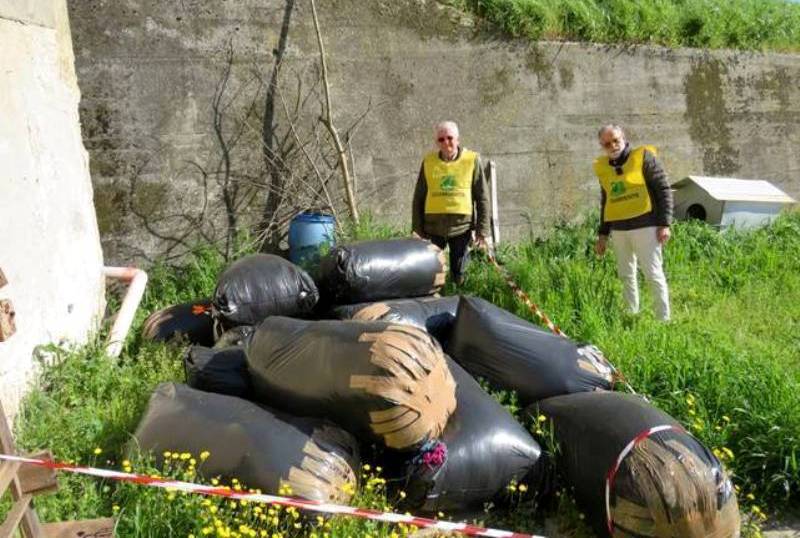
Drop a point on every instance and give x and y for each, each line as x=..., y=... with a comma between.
x=449, y=183
x=626, y=193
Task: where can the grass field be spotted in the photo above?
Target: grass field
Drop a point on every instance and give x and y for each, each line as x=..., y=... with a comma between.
x=736, y=24
x=727, y=366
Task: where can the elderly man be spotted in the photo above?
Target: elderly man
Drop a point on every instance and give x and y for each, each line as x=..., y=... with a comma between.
x=636, y=211
x=451, y=198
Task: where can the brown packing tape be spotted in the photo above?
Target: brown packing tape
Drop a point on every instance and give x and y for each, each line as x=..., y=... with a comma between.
x=419, y=384
x=583, y=364
x=442, y=260
x=323, y=474
x=680, y=493
x=156, y=319
x=372, y=312
x=589, y=360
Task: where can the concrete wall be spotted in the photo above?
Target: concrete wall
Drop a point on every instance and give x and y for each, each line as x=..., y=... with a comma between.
x=49, y=242
x=148, y=71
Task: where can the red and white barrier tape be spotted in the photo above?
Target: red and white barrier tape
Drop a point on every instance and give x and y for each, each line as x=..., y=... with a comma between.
x=524, y=297
x=302, y=504
x=612, y=473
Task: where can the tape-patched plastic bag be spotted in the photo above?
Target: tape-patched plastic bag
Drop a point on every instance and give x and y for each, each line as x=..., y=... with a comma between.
x=514, y=354
x=260, y=447
x=381, y=381
x=189, y=321
x=636, y=472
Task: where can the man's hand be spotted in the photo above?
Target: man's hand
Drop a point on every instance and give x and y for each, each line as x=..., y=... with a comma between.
x=600, y=246
x=663, y=234
x=480, y=242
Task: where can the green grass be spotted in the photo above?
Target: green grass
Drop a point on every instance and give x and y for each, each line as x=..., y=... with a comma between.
x=736, y=24
x=727, y=366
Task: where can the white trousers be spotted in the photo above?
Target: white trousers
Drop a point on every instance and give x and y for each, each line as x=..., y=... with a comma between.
x=641, y=247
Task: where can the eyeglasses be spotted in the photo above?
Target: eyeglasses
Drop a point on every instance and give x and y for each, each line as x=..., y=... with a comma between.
x=443, y=138
x=611, y=142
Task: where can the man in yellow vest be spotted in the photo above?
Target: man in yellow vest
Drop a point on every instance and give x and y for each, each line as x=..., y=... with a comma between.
x=636, y=211
x=451, y=198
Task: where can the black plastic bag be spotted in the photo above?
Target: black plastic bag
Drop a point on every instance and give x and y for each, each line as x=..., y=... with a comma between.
x=369, y=271
x=434, y=314
x=380, y=381
x=262, y=285
x=220, y=370
x=514, y=354
x=191, y=321
x=666, y=484
x=237, y=336
x=259, y=447
x=486, y=450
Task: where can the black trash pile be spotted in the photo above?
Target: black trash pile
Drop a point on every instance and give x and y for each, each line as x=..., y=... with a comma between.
x=289, y=380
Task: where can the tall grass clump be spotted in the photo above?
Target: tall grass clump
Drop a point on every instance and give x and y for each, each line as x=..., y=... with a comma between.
x=736, y=24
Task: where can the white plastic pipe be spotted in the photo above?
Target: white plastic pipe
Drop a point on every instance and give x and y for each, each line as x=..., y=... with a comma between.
x=137, y=280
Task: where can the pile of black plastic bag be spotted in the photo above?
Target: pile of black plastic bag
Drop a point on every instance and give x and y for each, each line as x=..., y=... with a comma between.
x=292, y=381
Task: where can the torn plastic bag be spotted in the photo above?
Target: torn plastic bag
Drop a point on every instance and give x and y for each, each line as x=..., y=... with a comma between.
x=236, y=336
x=486, y=448
x=190, y=321
x=660, y=480
x=514, y=354
x=259, y=447
x=380, y=381
x=220, y=370
x=261, y=285
x=434, y=314
x=369, y=271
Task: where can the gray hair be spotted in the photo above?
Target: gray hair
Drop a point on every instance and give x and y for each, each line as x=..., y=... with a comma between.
x=449, y=125
x=610, y=127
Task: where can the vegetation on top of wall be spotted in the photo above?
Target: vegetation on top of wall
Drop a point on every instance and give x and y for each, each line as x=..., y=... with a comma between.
x=737, y=24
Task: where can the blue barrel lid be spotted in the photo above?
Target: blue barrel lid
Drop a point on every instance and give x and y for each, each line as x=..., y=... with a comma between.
x=314, y=217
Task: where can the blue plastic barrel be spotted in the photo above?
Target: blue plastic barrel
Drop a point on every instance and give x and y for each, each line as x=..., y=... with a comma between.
x=308, y=232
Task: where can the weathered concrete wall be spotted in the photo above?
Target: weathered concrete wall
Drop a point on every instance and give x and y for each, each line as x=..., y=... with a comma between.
x=148, y=71
x=49, y=243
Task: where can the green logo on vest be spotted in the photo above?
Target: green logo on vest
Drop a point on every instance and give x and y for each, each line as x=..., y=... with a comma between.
x=448, y=183
x=617, y=188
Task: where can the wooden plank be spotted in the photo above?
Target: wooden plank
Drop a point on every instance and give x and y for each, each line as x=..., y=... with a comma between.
x=18, y=509
x=89, y=528
x=29, y=524
x=8, y=470
x=6, y=439
x=35, y=479
x=495, y=219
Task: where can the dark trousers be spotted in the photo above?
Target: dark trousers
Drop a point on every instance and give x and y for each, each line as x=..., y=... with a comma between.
x=459, y=252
